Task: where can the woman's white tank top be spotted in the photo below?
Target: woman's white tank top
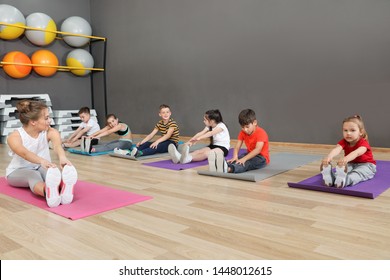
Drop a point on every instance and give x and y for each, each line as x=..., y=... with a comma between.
x=38, y=146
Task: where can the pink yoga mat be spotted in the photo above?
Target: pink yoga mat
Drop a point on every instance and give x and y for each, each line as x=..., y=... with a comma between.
x=89, y=199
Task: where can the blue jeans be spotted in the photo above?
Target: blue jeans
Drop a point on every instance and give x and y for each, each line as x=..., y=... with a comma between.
x=161, y=148
x=256, y=162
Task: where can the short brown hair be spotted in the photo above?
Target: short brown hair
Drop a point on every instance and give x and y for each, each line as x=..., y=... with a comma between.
x=163, y=106
x=246, y=117
x=84, y=110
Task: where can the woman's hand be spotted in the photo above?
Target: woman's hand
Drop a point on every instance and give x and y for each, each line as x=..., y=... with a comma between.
x=47, y=164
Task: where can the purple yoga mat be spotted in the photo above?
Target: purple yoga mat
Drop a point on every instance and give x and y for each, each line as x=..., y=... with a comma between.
x=168, y=164
x=368, y=189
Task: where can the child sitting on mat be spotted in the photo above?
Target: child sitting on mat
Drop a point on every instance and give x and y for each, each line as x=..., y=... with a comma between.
x=31, y=164
x=87, y=127
x=113, y=126
x=256, y=142
x=169, y=135
x=358, y=163
x=219, y=136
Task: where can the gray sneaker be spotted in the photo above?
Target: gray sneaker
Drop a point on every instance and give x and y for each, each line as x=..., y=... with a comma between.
x=220, y=162
x=87, y=147
x=212, y=161
x=341, y=176
x=327, y=175
x=82, y=144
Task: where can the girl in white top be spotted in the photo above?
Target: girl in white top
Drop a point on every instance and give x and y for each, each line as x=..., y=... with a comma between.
x=219, y=136
x=31, y=165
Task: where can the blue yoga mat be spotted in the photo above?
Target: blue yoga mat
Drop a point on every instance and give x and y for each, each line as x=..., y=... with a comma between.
x=80, y=152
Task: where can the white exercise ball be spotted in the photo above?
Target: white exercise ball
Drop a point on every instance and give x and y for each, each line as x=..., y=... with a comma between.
x=76, y=25
x=11, y=15
x=41, y=21
x=81, y=59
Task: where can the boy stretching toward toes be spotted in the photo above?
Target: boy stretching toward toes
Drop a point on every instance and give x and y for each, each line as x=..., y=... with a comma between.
x=87, y=127
x=169, y=135
x=256, y=141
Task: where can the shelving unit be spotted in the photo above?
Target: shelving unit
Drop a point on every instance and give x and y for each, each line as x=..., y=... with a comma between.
x=8, y=119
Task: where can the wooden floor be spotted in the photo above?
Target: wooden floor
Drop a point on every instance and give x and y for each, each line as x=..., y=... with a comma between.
x=201, y=217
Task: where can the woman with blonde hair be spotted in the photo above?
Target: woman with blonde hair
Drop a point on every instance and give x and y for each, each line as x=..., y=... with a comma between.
x=31, y=164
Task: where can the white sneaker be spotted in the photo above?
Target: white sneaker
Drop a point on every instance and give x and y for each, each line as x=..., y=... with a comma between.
x=212, y=161
x=82, y=144
x=134, y=152
x=327, y=175
x=220, y=162
x=87, y=144
x=69, y=179
x=175, y=155
x=341, y=175
x=185, y=155
x=52, y=183
x=121, y=152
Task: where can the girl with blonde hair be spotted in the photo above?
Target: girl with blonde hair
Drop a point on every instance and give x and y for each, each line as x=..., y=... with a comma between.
x=358, y=163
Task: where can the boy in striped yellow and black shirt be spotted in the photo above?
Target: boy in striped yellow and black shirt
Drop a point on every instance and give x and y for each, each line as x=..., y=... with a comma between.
x=169, y=135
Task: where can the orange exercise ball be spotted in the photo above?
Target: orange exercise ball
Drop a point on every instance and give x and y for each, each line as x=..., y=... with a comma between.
x=47, y=59
x=13, y=70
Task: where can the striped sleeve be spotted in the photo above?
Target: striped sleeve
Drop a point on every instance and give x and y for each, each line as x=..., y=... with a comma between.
x=163, y=129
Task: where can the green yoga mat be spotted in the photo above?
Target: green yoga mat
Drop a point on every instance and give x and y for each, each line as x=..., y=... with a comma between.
x=279, y=163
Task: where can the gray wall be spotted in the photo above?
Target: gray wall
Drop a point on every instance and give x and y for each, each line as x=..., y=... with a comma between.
x=66, y=90
x=302, y=65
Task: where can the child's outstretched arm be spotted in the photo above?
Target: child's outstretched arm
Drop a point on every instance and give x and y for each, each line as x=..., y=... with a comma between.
x=81, y=132
x=148, y=137
x=163, y=138
x=256, y=151
x=54, y=136
x=334, y=152
x=196, y=136
x=73, y=136
x=236, y=151
x=208, y=134
x=103, y=132
x=351, y=156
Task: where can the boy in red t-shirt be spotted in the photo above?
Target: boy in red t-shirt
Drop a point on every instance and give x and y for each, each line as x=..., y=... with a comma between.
x=256, y=141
